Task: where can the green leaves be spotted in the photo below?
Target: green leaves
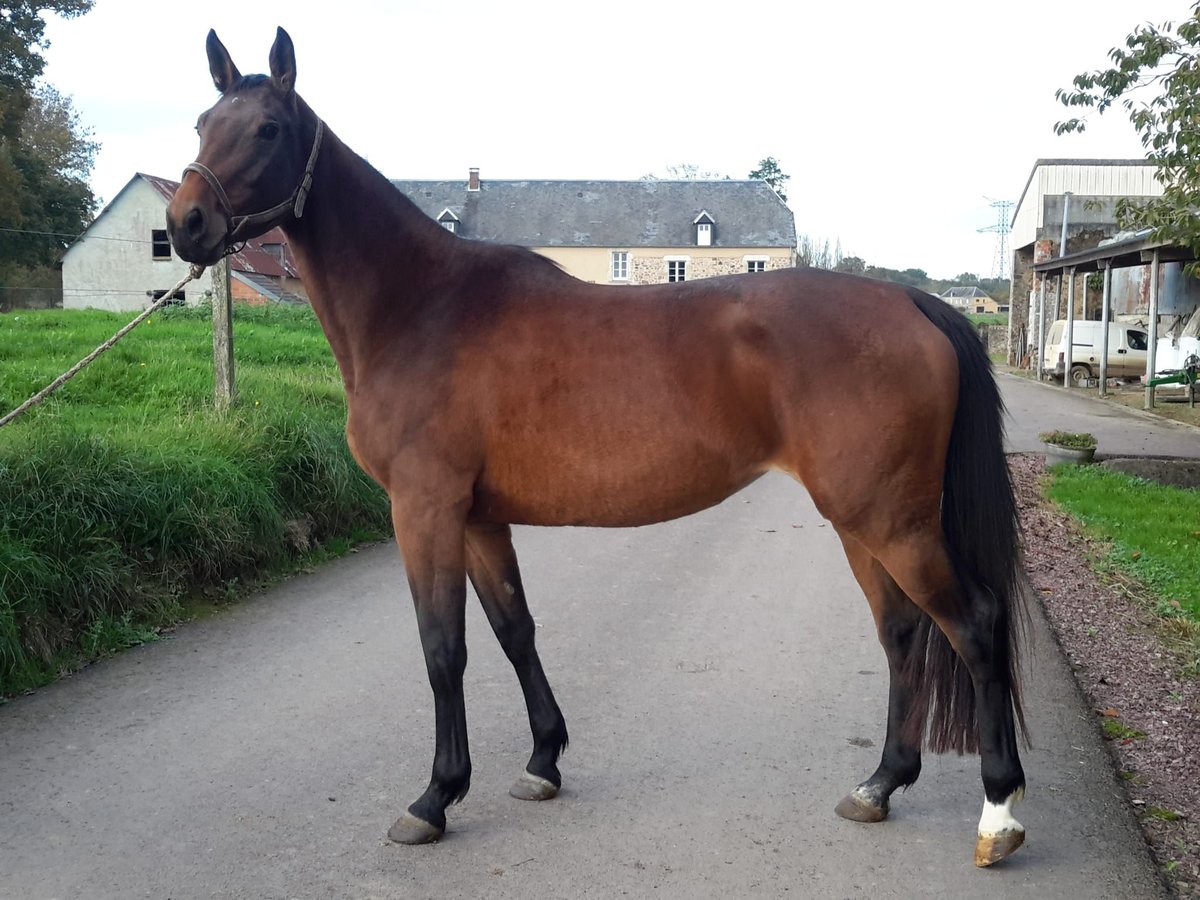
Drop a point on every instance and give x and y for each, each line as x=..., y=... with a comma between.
x=1155, y=77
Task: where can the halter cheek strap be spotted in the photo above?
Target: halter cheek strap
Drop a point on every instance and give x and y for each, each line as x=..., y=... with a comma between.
x=240, y=225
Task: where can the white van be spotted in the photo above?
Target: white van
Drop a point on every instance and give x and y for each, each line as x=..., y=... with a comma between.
x=1127, y=345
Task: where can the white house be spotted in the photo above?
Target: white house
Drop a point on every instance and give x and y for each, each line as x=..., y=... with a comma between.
x=123, y=261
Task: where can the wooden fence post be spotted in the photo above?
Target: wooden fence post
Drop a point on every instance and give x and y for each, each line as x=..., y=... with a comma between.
x=222, y=307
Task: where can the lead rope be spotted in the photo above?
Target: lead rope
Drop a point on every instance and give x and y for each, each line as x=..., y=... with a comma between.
x=193, y=273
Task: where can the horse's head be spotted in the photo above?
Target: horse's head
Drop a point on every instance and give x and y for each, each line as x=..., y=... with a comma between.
x=257, y=153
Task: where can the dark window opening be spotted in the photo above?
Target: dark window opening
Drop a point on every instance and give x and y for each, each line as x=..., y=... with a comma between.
x=160, y=247
x=177, y=298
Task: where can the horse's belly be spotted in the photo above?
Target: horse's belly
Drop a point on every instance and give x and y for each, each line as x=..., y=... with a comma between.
x=617, y=489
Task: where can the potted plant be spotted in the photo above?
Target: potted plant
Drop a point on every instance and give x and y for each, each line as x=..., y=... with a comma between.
x=1073, y=447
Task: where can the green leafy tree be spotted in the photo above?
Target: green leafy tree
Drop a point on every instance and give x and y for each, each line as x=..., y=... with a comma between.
x=853, y=265
x=1155, y=76
x=768, y=170
x=45, y=153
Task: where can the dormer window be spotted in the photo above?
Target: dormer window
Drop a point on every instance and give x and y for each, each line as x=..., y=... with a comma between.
x=448, y=220
x=704, y=229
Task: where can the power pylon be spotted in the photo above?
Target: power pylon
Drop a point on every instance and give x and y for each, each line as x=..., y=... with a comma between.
x=1002, y=228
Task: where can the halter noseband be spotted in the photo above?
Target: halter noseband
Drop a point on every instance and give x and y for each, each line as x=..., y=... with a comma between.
x=239, y=225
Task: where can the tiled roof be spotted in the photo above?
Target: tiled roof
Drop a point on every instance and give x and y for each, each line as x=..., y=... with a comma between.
x=648, y=213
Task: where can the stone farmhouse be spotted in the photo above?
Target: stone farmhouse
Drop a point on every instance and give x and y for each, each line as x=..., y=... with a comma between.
x=622, y=232
x=608, y=232
x=123, y=261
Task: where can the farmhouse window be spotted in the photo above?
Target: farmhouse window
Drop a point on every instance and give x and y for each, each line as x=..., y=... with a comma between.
x=676, y=270
x=449, y=225
x=756, y=265
x=704, y=234
x=160, y=247
x=620, y=265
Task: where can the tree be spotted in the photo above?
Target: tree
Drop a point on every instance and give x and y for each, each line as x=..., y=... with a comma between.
x=43, y=176
x=1156, y=78
x=45, y=153
x=22, y=38
x=854, y=265
x=768, y=170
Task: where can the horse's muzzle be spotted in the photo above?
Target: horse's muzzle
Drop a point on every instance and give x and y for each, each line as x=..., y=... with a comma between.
x=198, y=231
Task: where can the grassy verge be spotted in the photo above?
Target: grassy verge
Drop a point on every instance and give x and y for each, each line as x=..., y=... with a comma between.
x=126, y=497
x=1152, y=532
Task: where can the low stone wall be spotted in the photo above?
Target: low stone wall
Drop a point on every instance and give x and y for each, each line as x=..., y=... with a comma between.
x=994, y=337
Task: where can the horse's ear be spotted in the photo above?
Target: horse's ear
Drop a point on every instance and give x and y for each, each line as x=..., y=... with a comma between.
x=224, y=72
x=283, y=62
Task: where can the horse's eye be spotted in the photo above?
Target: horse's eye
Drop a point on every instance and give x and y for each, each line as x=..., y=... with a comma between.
x=269, y=132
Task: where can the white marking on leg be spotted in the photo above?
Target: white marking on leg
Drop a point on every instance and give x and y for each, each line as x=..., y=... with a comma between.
x=998, y=817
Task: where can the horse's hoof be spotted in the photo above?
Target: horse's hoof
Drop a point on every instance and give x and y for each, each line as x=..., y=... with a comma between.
x=411, y=830
x=533, y=787
x=991, y=848
x=858, y=809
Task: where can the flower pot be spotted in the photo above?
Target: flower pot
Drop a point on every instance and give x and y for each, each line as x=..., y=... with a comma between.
x=1073, y=456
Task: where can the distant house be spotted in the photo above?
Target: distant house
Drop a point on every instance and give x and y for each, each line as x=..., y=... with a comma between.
x=973, y=299
x=123, y=261
x=621, y=232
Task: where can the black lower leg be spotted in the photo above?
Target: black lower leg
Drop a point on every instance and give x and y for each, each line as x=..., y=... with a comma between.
x=451, y=778
x=492, y=566
x=900, y=764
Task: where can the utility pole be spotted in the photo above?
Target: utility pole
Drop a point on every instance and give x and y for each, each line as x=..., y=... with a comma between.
x=1002, y=228
x=225, y=391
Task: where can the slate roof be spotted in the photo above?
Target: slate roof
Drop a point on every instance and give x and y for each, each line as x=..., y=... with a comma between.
x=965, y=293
x=648, y=213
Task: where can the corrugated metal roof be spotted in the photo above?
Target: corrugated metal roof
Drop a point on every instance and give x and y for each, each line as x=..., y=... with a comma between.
x=647, y=213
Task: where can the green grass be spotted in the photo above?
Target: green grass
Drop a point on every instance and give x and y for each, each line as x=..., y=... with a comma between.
x=1116, y=730
x=126, y=495
x=1152, y=531
x=988, y=318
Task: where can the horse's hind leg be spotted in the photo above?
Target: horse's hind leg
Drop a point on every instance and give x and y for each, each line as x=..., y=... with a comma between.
x=898, y=622
x=492, y=567
x=977, y=626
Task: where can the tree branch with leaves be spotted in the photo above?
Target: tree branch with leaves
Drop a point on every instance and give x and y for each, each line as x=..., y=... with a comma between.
x=1155, y=77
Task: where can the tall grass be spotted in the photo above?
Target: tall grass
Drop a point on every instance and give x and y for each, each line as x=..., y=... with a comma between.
x=1153, y=531
x=126, y=492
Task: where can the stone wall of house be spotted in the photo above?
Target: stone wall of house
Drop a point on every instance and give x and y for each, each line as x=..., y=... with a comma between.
x=653, y=269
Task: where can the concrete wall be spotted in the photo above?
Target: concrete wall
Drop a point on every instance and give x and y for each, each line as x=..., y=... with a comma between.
x=112, y=266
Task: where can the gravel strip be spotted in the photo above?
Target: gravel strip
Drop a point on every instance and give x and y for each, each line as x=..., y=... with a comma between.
x=1150, y=714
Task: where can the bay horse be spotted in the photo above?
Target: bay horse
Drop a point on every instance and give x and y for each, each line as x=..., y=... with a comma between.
x=486, y=387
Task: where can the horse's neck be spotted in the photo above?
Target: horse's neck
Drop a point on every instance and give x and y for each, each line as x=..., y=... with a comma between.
x=364, y=252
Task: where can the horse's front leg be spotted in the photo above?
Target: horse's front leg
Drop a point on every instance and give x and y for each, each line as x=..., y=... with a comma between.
x=431, y=542
x=492, y=567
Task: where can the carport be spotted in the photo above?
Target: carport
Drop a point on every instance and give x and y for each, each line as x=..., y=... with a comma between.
x=1141, y=249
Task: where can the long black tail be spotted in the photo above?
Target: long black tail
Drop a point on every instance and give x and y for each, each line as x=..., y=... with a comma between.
x=979, y=521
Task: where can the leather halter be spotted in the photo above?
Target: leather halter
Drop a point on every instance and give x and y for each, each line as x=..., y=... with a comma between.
x=239, y=225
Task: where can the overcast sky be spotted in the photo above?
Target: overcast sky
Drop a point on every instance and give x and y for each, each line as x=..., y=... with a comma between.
x=898, y=122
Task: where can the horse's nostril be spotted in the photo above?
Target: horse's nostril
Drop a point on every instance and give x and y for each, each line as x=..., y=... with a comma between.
x=194, y=222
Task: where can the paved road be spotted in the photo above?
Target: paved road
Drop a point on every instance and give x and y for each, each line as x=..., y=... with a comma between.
x=1035, y=407
x=721, y=681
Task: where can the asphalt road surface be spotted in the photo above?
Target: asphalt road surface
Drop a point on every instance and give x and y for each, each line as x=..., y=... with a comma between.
x=722, y=685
